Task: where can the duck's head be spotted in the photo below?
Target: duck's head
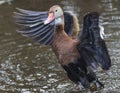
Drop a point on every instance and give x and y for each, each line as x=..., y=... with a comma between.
x=56, y=14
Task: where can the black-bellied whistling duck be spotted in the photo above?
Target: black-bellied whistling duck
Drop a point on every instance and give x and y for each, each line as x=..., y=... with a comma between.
x=79, y=57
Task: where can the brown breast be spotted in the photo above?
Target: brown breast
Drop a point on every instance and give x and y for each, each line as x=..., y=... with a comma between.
x=65, y=48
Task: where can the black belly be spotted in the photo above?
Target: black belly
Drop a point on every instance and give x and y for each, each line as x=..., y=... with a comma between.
x=77, y=72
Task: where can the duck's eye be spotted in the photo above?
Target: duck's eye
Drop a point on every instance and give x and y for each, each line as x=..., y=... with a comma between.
x=56, y=10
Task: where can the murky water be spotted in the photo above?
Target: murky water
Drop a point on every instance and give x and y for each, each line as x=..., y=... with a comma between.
x=28, y=67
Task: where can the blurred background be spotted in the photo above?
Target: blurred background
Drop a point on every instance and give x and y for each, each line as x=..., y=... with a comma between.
x=29, y=67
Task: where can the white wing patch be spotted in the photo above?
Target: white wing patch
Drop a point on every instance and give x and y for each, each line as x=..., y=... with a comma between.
x=102, y=34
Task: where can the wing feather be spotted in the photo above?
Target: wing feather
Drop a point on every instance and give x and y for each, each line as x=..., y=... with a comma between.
x=93, y=48
x=36, y=29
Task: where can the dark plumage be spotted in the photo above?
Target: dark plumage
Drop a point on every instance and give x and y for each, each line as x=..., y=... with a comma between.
x=78, y=57
x=92, y=46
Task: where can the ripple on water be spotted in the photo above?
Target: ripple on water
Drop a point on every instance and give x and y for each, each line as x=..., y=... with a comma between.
x=27, y=67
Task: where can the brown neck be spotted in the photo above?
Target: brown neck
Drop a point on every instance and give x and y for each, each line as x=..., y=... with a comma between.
x=59, y=28
x=59, y=34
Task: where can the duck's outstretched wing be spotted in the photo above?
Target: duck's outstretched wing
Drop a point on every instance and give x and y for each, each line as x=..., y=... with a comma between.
x=92, y=47
x=71, y=24
x=33, y=22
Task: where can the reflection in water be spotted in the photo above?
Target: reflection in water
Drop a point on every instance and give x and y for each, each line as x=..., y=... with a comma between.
x=28, y=67
x=71, y=6
x=112, y=24
x=5, y=1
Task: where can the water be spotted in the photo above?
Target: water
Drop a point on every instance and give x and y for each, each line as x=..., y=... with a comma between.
x=28, y=67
